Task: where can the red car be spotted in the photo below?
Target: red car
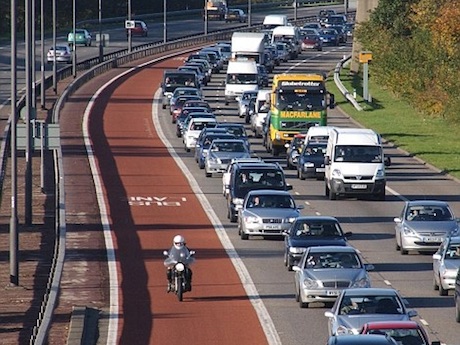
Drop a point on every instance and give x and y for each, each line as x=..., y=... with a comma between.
x=404, y=332
x=139, y=29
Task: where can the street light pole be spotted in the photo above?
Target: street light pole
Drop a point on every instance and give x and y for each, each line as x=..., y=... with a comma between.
x=249, y=12
x=42, y=64
x=101, y=49
x=205, y=17
x=295, y=10
x=74, y=46
x=164, y=22
x=129, y=31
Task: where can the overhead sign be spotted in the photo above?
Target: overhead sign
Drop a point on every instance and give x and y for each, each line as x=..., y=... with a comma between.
x=129, y=24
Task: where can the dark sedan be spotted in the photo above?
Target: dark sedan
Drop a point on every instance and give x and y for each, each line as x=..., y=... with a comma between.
x=330, y=37
x=310, y=162
x=310, y=231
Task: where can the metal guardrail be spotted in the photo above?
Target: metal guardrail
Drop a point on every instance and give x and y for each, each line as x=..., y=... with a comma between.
x=339, y=83
x=94, y=68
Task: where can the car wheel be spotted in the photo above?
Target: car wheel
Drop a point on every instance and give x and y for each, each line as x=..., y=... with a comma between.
x=326, y=190
x=234, y=218
x=332, y=195
x=442, y=291
x=297, y=295
x=301, y=176
x=208, y=174
x=302, y=304
x=403, y=251
x=201, y=165
x=457, y=311
x=435, y=285
x=243, y=236
x=397, y=246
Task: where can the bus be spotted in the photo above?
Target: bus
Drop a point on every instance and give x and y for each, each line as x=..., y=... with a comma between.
x=297, y=102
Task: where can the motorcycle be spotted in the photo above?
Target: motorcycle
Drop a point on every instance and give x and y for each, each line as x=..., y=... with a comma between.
x=178, y=262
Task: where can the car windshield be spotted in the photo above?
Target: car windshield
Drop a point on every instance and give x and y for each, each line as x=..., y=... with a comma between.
x=316, y=229
x=230, y=146
x=402, y=336
x=386, y=304
x=270, y=201
x=358, y=154
x=253, y=179
x=318, y=149
x=332, y=260
x=453, y=252
x=423, y=213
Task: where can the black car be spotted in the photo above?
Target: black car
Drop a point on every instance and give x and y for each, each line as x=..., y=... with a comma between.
x=263, y=75
x=310, y=162
x=247, y=177
x=310, y=231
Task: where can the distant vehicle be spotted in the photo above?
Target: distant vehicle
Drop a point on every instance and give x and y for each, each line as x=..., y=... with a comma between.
x=63, y=54
x=236, y=15
x=312, y=41
x=204, y=142
x=313, y=25
x=266, y=213
x=338, y=19
x=293, y=150
x=172, y=79
x=323, y=14
x=446, y=262
x=271, y=21
x=343, y=37
x=139, y=29
x=82, y=36
x=263, y=75
x=215, y=9
x=355, y=307
x=404, y=332
x=310, y=162
x=423, y=225
x=243, y=102
x=323, y=272
x=228, y=172
x=330, y=37
x=322, y=231
x=220, y=154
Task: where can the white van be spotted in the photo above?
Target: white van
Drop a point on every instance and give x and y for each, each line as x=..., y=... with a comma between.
x=261, y=111
x=318, y=133
x=354, y=163
x=271, y=21
x=242, y=75
x=288, y=33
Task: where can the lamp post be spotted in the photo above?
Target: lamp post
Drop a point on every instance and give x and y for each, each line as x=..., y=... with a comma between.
x=164, y=22
x=249, y=12
x=205, y=17
x=74, y=46
x=129, y=31
x=295, y=10
x=101, y=49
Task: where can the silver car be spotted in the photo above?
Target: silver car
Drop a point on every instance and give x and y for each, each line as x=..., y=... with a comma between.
x=243, y=102
x=355, y=307
x=267, y=212
x=423, y=225
x=446, y=262
x=324, y=271
x=221, y=152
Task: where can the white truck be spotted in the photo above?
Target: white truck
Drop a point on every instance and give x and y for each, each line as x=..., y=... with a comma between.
x=271, y=21
x=288, y=33
x=242, y=75
x=249, y=45
x=355, y=163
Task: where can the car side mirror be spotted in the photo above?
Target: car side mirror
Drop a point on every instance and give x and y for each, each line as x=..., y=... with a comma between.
x=387, y=161
x=436, y=256
x=289, y=187
x=397, y=220
x=369, y=267
x=348, y=234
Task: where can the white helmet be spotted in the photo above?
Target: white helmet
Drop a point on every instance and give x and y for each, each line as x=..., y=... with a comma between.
x=178, y=241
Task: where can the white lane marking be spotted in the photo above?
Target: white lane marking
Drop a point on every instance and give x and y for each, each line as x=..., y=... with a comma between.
x=264, y=317
x=424, y=322
x=318, y=213
x=387, y=282
x=112, y=333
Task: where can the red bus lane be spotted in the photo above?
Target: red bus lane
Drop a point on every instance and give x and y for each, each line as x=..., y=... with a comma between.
x=149, y=200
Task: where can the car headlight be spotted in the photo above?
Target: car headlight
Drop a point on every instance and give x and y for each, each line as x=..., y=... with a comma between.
x=214, y=159
x=342, y=330
x=277, y=136
x=311, y=284
x=455, y=232
x=251, y=219
x=380, y=174
x=362, y=283
x=447, y=274
x=296, y=250
x=336, y=173
x=237, y=201
x=408, y=231
x=290, y=220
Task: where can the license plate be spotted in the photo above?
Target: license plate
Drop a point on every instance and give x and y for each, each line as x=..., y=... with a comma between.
x=319, y=169
x=272, y=227
x=358, y=186
x=332, y=292
x=431, y=239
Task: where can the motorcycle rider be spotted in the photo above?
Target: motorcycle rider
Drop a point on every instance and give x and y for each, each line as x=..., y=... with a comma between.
x=179, y=252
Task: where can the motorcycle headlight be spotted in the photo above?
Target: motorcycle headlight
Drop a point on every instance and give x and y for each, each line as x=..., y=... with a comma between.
x=180, y=267
x=336, y=173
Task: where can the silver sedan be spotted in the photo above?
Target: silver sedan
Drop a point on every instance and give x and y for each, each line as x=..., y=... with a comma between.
x=446, y=262
x=221, y=152
x=423, y=225
x=355, y=307
x=267, y=212
x=324, y=271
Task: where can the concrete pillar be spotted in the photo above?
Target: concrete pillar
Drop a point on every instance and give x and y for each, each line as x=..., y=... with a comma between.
x=362, y=14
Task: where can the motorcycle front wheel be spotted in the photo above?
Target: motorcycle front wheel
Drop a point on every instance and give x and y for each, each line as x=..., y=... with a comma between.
x=179, y=288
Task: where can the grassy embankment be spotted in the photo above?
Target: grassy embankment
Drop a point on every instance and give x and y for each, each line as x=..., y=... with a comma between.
x=433, y=140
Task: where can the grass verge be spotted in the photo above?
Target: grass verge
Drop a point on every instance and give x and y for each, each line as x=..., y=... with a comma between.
x=434, y=140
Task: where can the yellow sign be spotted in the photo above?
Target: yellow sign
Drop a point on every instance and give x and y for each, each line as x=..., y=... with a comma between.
x=365, y=56
x=300, y=115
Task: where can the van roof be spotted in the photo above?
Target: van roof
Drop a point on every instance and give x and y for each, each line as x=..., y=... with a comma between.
x=355, y=136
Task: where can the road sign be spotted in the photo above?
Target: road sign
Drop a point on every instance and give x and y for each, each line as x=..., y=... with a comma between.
x=129, y=24
x=44, y=135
